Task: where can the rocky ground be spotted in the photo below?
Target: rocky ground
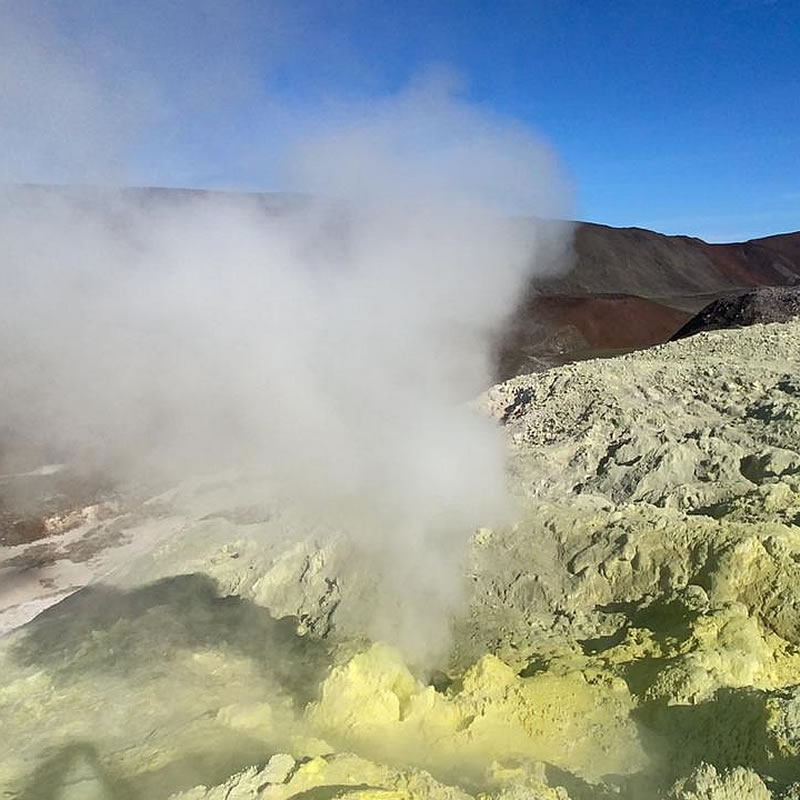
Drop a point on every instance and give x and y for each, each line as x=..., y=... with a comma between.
x=632, y=633
x=764, y=304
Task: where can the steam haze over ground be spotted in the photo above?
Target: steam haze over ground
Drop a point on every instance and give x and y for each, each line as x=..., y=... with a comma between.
x=267, y=531
x=335, y=345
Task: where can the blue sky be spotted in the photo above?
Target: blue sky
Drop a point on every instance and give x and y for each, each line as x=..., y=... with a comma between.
x=680, y=116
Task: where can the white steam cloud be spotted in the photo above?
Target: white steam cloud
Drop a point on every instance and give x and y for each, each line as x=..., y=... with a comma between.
x=335, y=341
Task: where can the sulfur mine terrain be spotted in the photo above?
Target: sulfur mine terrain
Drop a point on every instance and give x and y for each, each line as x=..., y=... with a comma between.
x=633, y=632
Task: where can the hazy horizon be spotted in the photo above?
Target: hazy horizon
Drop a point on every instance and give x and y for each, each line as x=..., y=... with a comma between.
x=676, y=118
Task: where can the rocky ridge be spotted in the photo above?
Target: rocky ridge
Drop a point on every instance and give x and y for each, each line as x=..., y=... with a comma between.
x=764, y=304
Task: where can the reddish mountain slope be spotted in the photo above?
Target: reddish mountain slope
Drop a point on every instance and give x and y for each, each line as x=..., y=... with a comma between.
x=626, y=288
x=648, y=264
x=552, y=329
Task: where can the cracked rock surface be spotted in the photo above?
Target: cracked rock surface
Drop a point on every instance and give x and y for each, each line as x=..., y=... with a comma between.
x=633, y=632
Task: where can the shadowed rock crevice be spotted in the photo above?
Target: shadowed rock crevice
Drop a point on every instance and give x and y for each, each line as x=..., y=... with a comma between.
x=106, y=630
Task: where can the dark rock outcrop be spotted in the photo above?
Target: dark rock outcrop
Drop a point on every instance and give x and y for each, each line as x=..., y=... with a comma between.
x=762, y=305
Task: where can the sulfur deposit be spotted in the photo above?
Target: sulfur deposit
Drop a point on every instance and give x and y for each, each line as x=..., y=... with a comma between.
x=632, y=633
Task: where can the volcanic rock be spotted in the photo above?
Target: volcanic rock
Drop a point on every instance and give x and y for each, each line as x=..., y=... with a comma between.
x=633, y=632
x=762, y=305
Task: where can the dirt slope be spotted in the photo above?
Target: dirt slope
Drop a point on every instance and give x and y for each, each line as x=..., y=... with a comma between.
x=672, y=268
x=628, y=288
x=548, y=330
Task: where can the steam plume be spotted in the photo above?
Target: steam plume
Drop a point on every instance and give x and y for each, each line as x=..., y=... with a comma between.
x=334, y=341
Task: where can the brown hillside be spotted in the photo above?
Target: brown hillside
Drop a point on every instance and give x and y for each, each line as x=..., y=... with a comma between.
x=627, y=288
x=676, y=270
x=548, y=330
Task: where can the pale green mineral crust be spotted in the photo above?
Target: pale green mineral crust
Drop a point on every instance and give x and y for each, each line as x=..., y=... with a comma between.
x=634, y=633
